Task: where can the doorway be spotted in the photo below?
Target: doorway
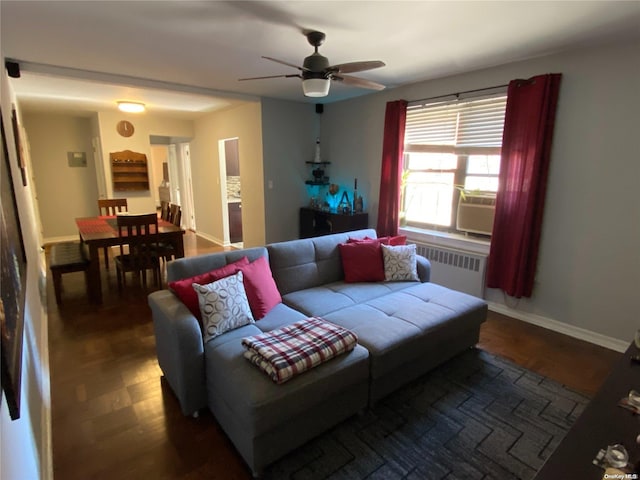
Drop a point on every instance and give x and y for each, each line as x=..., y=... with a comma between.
x=231, y=190
x=172, y=162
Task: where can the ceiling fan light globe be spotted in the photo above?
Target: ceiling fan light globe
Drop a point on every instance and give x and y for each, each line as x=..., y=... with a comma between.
x=315, y=87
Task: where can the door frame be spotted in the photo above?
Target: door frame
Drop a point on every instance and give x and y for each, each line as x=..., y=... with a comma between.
x=222, y=156
x=188, y=215
x=223, y=192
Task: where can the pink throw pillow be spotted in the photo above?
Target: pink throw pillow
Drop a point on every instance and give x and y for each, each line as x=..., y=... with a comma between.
x=185, y=292
x=261, y=288
x=362, y=261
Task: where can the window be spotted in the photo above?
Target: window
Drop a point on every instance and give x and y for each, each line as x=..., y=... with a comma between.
x=450, y=147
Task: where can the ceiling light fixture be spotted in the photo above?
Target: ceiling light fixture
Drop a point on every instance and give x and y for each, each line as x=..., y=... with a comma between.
x=131, y=107
x=315, y=87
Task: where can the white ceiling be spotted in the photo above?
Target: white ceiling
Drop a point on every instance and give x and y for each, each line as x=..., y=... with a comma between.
x=117, y=50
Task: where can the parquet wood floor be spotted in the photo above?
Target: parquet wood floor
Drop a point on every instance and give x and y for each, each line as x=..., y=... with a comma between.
x=113, y=417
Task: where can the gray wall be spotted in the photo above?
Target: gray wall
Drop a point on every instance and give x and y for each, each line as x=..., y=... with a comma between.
x=589, y=265
x=289, y=131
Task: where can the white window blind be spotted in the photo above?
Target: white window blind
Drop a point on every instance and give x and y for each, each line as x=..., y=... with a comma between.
x=461, y=127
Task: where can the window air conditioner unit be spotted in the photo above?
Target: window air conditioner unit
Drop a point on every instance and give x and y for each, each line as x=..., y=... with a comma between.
x=476, y=213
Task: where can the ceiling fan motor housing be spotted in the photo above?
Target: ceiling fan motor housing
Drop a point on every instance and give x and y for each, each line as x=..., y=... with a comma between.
x=315, y=64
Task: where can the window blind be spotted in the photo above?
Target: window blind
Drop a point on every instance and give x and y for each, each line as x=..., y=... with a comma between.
x=459, y=125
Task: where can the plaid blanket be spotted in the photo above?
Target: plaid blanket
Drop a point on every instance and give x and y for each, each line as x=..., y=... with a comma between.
x=289, y=351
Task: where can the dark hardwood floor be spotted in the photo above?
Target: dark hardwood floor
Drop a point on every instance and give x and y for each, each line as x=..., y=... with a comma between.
x=114, y=418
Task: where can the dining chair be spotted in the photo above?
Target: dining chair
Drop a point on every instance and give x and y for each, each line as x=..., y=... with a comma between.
x=140, y=233
x=110, y=207
x=166, y=251
x=165, y=212
x=175, y=214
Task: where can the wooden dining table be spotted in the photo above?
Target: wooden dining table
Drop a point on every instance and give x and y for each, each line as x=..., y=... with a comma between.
x=99, y=232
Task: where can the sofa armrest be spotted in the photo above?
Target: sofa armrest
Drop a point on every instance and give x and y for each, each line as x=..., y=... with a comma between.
x=424, y=268
x=180, y=350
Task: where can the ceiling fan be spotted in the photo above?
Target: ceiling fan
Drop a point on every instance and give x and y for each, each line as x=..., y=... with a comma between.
x=316, y=73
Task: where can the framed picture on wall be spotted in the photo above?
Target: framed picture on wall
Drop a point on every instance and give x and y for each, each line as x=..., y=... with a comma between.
x=13, y=283
x=19, y=152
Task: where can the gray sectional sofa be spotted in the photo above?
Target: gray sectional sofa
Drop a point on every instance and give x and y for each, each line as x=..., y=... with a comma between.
x=404, y=329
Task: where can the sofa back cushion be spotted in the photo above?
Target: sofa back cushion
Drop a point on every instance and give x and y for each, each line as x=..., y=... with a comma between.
x=310, y=262
x=192, y=266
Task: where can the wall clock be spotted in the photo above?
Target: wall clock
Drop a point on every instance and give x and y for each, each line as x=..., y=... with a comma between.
x=125, y=128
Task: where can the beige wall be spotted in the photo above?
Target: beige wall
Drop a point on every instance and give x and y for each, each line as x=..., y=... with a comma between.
x=64, y=193
x=145, y=125
x=243, y=122
x=53, y=135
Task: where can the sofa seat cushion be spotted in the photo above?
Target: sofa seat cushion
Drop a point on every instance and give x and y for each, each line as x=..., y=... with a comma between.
x=402, y=326
x=319, y=301
x=260, y=404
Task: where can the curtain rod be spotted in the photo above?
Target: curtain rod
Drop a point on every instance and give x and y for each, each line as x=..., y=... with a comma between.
x=457, y=94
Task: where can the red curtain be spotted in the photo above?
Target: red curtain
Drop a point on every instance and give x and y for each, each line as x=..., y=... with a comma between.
x=391, y=173
x=526, y=147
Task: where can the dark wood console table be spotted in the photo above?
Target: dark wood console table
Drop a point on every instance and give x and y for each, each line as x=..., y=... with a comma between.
x=314, y=223
x=602, y=423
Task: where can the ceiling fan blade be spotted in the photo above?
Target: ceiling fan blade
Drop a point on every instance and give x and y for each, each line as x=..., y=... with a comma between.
x=270, y=76
x=358, y=82
x=285, y=63
x=353, y=67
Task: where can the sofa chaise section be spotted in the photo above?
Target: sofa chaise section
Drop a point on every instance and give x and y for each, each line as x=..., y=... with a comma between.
x=409, y=332
x=265, y=420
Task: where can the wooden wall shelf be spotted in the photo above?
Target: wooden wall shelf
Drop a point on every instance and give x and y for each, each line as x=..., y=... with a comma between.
x=129, y=171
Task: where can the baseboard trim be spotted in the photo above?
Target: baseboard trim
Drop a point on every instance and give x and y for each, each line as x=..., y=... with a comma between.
x=560, y=327
x=67, y=238
x=211, y=238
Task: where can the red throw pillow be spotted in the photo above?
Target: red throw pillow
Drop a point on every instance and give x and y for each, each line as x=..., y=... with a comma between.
x=185, y=292
x=361, y=240
x=394, y=241
x=261, y=288
x=362, y=261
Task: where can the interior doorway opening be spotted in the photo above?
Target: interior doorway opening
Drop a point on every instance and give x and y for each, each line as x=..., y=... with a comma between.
x=231, y=191
x=172, y=175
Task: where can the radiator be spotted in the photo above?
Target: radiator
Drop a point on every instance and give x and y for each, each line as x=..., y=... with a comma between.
x=455, y=269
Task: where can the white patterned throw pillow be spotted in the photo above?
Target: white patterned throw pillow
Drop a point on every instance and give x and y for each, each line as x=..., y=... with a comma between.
x=224, y=306
x=400, y=263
